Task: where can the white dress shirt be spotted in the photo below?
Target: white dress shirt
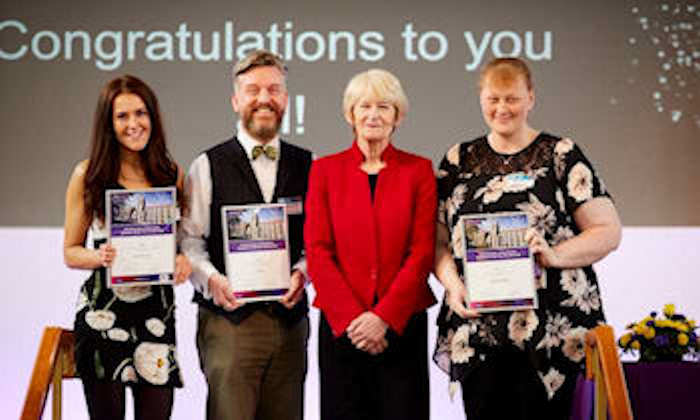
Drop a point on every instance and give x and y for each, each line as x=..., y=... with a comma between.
x=195, y=226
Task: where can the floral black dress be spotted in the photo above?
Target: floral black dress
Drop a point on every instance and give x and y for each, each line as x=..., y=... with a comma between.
x=125, y=334
x=548, y=180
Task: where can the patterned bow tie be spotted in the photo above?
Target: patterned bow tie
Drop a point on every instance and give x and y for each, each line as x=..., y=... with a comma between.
x=268, y=151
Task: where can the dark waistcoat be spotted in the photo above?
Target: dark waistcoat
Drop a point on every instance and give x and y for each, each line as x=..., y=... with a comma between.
x=233, y=183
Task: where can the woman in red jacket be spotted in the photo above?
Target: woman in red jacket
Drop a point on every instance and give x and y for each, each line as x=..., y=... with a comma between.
x=369, y=233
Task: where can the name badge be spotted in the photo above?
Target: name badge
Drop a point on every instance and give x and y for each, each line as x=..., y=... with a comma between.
x=518, y=181
x=295, y=205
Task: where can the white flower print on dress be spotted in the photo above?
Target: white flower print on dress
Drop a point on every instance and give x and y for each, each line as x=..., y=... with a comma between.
x=458, y=194
x=574, y=347
x=441, y=173
x=588, y=300
x=580, y=183
x=559, y=195
x=132, y=294
x=118, y=334
x=552, y=381
x=82, y=301
x=155, y=326
x=442, y=352
x=574, y=281
x=563, y=146
x=542, y=217
x=484, y=327
x=128, y=374
x=454, y=201
x=493, y=190
x=100, y=320
x=562, y=234
x=556, y=328
x=539, y=172
x=152, y=363
x=521, y=325
x=453, y=155
x=460, y=351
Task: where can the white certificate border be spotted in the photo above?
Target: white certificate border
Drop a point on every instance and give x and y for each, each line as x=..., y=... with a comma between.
x=462, y=228
x=108, y=223
x=224, y=229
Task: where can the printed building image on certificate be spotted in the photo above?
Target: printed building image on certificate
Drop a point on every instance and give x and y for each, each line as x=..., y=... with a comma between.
x=256, y=250
x=265, y=224
x=498, y=266
x=142, y=229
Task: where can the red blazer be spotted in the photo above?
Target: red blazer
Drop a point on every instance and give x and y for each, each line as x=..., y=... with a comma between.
x=358, y=250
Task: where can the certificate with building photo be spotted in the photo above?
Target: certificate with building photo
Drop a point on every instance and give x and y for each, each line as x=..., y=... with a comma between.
x=498, y=266
x=141, y=227
x=256, y=251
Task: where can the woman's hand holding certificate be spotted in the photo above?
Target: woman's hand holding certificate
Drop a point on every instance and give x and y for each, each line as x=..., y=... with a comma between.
x=183, y=269
x=546, y=256
x=106, y=253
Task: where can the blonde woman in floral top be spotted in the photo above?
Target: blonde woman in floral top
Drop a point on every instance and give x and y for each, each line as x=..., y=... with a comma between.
x=522, y=364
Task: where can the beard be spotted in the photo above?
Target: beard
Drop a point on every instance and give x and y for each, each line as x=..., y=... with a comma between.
x=265, y=131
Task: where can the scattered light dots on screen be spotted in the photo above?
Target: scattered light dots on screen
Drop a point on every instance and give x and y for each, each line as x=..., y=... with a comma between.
x=671, y=34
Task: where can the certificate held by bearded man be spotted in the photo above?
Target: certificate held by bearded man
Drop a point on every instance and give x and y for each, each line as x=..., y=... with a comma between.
x=256, y=251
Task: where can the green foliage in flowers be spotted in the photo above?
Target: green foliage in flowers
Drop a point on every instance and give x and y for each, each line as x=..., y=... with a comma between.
x=664, y=338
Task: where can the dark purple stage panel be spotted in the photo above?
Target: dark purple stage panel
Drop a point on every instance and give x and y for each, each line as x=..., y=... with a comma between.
x=663, y=390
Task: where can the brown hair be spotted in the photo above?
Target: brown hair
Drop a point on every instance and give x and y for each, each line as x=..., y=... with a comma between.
x=103, y=167
x=258, y=58
x=505, y=71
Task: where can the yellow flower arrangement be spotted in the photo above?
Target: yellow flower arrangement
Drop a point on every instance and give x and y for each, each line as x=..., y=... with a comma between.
x=662, y=339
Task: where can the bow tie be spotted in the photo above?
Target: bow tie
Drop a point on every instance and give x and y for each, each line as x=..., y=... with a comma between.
x=268, y=151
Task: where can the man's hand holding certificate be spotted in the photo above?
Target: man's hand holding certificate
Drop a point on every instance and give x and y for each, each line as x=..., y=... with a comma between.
x=222, y=293
x=498, y=264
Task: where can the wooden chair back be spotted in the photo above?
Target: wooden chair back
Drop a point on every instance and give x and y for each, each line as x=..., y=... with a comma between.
x=603, y=365
x=54, y=362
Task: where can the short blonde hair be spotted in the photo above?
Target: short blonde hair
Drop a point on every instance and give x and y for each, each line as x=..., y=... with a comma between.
x=378, y=83
x=504, y=71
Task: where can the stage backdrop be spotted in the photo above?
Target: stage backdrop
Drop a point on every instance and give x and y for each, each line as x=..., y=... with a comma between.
x=620, y=78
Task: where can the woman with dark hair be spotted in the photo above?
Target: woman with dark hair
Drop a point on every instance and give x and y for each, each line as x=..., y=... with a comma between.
x=125, y=336
x=521, y=364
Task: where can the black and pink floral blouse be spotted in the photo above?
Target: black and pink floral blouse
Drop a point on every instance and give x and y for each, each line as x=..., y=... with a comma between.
x=548, y=180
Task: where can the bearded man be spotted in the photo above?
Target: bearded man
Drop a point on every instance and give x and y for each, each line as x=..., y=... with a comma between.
x=253, y=355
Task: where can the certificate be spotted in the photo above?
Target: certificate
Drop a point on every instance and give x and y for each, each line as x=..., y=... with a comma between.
x=498, y=266
x=256, y=251
x=141, y=227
